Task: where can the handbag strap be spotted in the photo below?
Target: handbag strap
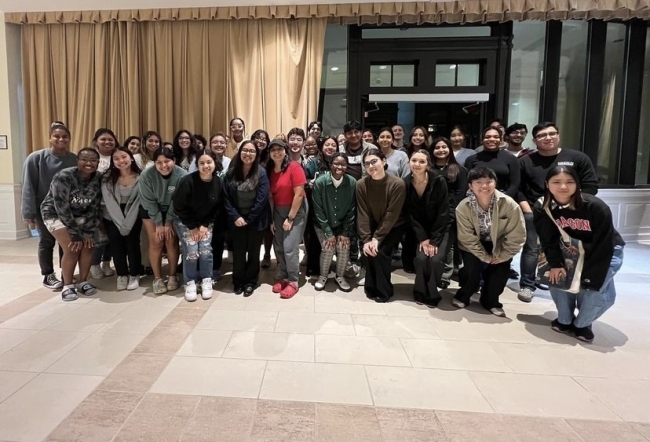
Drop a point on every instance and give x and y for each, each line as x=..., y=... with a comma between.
x=565, y=236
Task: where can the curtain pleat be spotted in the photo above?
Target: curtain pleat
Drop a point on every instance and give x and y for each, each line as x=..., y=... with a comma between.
x=460, y=11
x=169, y=75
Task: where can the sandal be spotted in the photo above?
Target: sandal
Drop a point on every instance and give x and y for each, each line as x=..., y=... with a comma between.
x=87, y=289
x=69, y=294
x=172, y=283
x=159, y=286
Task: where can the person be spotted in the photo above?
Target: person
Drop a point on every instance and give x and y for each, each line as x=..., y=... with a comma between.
x=458, y=140
x=295, y=143
x=335, y=209
x=315, y=129
x=397, y=160
x=427, y=237
x=340, y=138
x=70, y=212
x=151, y=141
x=133, y=144
x=218, y=145
x=120, y=212
x=237, y=135
x=311, y=150
x=353, y=146
x=261, y=140
x=314, y=164
x=287, y=200
x=398, y=136
x=185, y=149
x=490, y=232
x=104, y=142
x=534, y=168
x=417, y=140
x=368, y=136
x=157, y=186
x=196, y=203
x=515, y=137
x=380, y=199
x=38, y=171
x=246, y=192
x=504, y=165
x=445, y=164
x=588, y=219
x=201, y=142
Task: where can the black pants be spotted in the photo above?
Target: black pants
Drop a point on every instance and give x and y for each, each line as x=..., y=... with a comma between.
x=247, y=243
x=409, y=249
x=218, y=239
x=378, y=268
x=313, y=249
x=46, y=243
x=428, y=273
x=126, y=249
x=495, y=277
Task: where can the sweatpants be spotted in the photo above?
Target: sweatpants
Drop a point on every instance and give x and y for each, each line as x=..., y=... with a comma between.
x=378, y=268
x=286, y=244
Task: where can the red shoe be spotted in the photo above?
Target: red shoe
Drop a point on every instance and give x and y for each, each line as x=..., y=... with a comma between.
x=279, y=286
x=290, y=290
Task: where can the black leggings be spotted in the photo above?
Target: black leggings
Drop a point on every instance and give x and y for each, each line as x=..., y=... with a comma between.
x=126, y=249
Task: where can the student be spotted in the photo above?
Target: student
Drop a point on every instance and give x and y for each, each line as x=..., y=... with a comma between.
x=121, y=196
x=38, y=171
x=380, y=199
x=397, y=160
x=353, y=147
x=237, y=135
x=246, y=191
x=71, y=213
x=261, y=140
x=586, y=218
x=490, y=232
x=197, y=201
x=287, y=200
x=427, y=237
x=157, y=186
x=185, y=149
x=151, y=141
x=368, y=136
x=296, y=143
x=104, y=142
x=515, y=136
x=133, y=144
x=398, y=136
x=534, y=168
x=417, y=141
x=334, y=212
x=458, y=140
x=218, y=144
x=315, y=129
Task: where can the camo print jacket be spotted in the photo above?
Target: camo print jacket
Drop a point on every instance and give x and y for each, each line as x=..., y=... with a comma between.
x=75, y=202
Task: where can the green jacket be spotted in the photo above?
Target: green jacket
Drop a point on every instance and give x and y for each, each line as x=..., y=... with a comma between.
x=156, y=193
x=335, y=207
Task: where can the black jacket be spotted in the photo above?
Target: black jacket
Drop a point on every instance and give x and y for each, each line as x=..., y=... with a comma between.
x=591, y=224
x=259, y=216
x=428, y=215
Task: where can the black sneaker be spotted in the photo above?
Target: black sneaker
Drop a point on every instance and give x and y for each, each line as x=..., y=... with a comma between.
x=584, y=334
x=513, y=274
x=52, y=282
x=561, y=328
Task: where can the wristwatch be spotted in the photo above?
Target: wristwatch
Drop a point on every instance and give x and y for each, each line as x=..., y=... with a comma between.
x=290, y=218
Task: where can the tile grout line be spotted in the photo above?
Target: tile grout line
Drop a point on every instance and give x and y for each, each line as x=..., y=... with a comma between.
x=595, y=397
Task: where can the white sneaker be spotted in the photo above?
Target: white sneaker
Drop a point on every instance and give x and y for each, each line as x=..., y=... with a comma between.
x=228, y=256
x=96, y=272
x=190, y=291
x=497, y=311
x=362, y=277
x=122, y=283
x=106, y=269
x=134, y=282
x=206, y=288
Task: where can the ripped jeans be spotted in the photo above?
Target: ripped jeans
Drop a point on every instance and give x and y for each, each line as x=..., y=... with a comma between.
x=197, y=255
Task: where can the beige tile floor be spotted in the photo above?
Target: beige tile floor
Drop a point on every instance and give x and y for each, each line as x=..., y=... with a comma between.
x=324, y=366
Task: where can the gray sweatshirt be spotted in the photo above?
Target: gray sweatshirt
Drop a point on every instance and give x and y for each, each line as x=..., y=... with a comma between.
x=38, y=171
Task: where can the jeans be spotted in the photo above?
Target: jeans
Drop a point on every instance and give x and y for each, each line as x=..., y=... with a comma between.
x=197, y=256
x=529, y=255
x=46, y=243
x=286, y=243
x=591, y=304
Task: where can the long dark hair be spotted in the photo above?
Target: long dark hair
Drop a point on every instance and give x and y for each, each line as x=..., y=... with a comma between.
x=576, y=198
x=113, y=173
x=178, y=150
x=453, y=168
x=410, y=147
x=143, y=146
x=235, y=172
x=270, y=165
x=263, y=155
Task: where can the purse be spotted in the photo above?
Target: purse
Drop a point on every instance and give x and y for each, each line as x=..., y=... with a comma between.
x=573, y=254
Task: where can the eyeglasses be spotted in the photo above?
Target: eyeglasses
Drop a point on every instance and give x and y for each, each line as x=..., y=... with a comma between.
x=340, y=166
x=184, y=138
x=250, y=151
x=295, y=140
x=89, y=160
x=546, y=135
x=371, y=162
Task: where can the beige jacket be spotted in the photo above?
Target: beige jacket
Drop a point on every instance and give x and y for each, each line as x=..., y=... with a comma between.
x=508, y=229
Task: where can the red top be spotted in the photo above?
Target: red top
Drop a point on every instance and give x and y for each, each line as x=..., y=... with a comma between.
x=282, y=183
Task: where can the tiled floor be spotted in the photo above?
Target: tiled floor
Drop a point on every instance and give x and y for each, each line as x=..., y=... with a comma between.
x=324, y=366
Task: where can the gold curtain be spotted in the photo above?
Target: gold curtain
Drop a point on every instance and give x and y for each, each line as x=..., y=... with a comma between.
x=460, y=11
x=168, y=75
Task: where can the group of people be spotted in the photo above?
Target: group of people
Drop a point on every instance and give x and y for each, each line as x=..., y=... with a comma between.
x=355, y=198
